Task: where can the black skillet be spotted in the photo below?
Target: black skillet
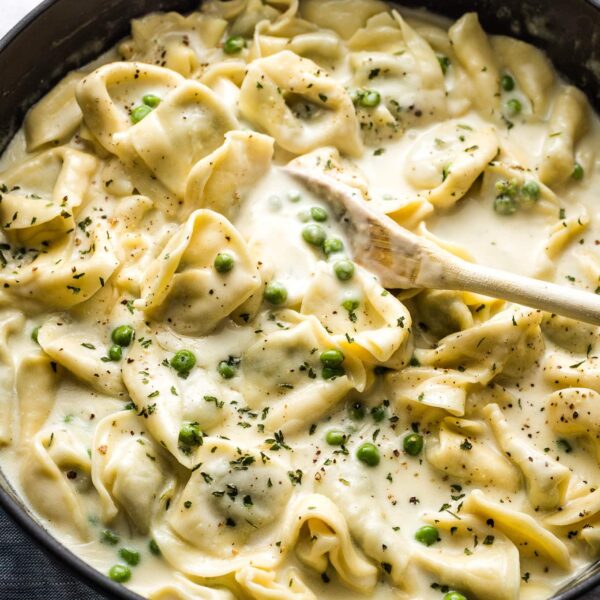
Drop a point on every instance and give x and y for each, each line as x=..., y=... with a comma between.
x=61, y=35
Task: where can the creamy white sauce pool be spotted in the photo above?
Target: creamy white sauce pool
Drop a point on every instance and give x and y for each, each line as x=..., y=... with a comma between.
x=119, y=222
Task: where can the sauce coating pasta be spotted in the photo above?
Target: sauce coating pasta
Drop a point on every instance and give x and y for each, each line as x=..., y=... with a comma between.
x=204, y=394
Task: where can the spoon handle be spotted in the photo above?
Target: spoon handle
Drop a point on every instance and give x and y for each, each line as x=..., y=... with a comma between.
x=562, y=300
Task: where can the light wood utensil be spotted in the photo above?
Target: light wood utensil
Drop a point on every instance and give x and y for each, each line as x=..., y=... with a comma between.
x=404, y=260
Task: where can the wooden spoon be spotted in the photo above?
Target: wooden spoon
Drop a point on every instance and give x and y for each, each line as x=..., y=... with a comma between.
x=402, y=259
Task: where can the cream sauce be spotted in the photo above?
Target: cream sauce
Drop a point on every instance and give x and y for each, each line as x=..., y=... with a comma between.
x=403, y=488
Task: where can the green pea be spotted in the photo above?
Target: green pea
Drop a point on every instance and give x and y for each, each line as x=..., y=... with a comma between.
x=514, y=107
x=275, y=292
x=153, y=547
x=427, y=535
x=507, y=188
x=130, y=556
x=151, y=100
x=454, y=596
x=108, y=536
x=223, y=262
x=115, y=352
x=332, y=372
x=531, y=190
x=122, y=335
x=332, y=245
x=378, y=413
x=332, y=358
x=119, y=573
x=578, y=172
x=304, y=216
x=369, y=454
x=507, y=83
x=335, y=437
x=190, y=434
x=34, y=333
x=413, y=444
x=294, y=196
x=356, y=411
x=344, y=269
x=505, y=205
x=183, y=361
x=369, y=98
x=314, y=234
x=274, y=202
x=234, y=44
x=226, y=370
x=140, y=112
x=350, y=304
x=318, y=214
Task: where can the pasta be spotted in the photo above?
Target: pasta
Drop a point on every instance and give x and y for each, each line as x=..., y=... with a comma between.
x=202, y=390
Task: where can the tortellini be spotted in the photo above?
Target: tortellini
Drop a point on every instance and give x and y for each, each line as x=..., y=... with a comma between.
x=56, y=116
x=567, y=123
x=523, y=530
x=203, y=376
x=81, y=353
x=263, y=585
x=70, y=272
x=367, y=520
x=374, y=327
x=40, y=196
x=217, y=181
x=558, y=371
x=546, y=479
x=321, y=534
x=107, y=95
x=461, y=453
x=580, y=509
x=508, y=343
x=437, y=388
x=55, y=463
x=476, y=55
x=299, y=104
x=184, y=589
x=448, y=159
x=183, y=287
x=560, y=236
x=443, y=312
x=507, y=178
x=569, y=334
x=575, y=411
x=217, y=523
x=129, y=470
x=408, y=79
x=187, y=125
x=10, y=322
x=531, y=68
x=282, y=374
x=171, y=40
x=165, y=400
x=488, y=572
x=343, y=16
x=36, y=381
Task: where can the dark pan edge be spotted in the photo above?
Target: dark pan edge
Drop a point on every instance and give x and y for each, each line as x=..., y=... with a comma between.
x=9, y=501
x=57, y=552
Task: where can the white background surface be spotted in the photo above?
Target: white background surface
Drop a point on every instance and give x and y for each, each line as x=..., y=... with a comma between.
x=12, y=11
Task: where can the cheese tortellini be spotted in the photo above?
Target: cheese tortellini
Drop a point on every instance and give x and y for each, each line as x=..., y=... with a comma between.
x=207, y=392
x=299, y=104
